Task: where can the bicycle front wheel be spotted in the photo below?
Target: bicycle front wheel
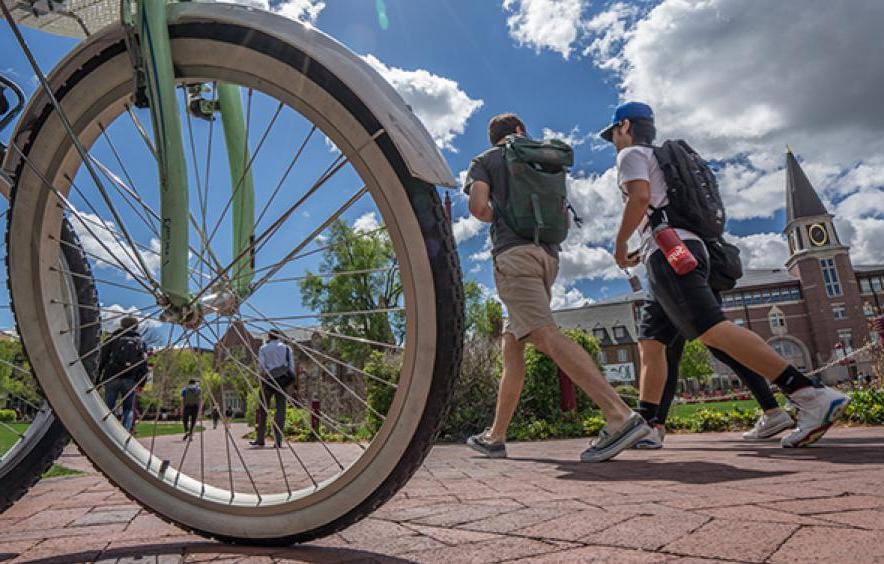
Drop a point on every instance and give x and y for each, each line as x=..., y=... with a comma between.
x=352, y=262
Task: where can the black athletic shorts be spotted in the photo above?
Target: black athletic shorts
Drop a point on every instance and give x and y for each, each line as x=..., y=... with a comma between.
x=679, y=304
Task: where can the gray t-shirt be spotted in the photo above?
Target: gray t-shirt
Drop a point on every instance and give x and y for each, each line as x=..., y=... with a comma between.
x=489, y=167
x=639, y=163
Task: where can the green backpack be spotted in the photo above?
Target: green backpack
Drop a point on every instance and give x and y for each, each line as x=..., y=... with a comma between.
x=536, y=205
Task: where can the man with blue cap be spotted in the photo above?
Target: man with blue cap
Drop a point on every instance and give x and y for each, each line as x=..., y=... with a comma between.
x=684, y=304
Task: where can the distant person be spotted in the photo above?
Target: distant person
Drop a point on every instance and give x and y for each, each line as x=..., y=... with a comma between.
x=277, y=367
x=191, y=399
x=122, y=366
x=516, y=175
x=215, y=416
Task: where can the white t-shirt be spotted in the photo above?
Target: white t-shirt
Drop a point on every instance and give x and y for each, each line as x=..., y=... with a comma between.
x=639, y=163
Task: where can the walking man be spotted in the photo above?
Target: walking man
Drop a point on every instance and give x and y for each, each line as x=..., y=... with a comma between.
x=684, y=303
x=277, y=367
x=191, y=400
x=122, y=365
x=525, y=268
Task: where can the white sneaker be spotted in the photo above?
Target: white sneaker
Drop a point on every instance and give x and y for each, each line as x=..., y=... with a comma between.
x=768, y=426
x=817, y=408
x=654, y=440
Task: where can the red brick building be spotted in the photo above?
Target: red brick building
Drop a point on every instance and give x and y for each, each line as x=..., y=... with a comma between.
x=819, y=305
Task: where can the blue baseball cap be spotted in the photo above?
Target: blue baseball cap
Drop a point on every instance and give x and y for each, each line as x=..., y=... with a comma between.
x=627, y=110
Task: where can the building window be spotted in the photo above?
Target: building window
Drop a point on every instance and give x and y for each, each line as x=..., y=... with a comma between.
x=739, y=322
x=777, y=320
x=619, y=332
x=876, y=284
x=791, y=352
x=622, y=355
x=599, y=334
x=830, y=277
x=865, y=285
x=839, y=311
x=868, y=310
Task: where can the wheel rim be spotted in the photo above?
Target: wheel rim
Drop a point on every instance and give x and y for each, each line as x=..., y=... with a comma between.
x=90, y=424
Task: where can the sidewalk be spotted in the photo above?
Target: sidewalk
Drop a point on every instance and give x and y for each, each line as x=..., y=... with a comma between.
x=705, y=496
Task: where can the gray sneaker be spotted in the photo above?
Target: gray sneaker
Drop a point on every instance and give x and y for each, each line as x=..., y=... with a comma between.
x=769, y=426
x=481, y=443
x=654, y=440
x=610, y=443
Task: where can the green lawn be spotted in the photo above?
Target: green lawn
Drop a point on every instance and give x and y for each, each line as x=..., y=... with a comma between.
x=8, y=436
x=146, y=428
x=688, y=409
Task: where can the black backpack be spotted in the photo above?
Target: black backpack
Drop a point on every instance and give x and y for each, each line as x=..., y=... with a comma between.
x=126, y=358
x=695, y=203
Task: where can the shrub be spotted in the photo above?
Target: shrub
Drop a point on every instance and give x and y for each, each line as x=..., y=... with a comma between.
x=629, y=394
x=475, y=391
x=385, y=368
x=7, y=415
x=867, y=407
x=541, y=397
x=593, y=424
x=570, y=425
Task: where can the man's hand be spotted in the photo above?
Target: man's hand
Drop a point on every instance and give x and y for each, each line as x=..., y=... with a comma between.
x=624, y=258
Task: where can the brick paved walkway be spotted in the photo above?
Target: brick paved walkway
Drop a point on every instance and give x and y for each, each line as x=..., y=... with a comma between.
x=705, y=497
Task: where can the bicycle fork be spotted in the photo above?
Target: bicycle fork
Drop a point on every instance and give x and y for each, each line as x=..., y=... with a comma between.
x=150, y=48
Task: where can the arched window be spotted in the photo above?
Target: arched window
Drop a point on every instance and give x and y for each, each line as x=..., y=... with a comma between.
x=777, y=320
x=791, y=352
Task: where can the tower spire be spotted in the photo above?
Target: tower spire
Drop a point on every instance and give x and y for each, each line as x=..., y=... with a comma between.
x=801, y=199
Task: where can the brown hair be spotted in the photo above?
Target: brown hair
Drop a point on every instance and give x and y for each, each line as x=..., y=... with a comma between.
x=502, y=125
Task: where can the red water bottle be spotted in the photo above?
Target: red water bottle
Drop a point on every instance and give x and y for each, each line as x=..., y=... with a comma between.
x=677, y=253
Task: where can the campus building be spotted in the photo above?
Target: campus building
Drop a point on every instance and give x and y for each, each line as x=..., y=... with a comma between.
x=813, y=310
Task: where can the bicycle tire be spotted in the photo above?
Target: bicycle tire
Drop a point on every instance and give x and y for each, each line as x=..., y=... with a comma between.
x=432, y=235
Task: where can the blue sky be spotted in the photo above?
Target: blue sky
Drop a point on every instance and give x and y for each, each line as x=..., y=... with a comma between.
x=739, y=83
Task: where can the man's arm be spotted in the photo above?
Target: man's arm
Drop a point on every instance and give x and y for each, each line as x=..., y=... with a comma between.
x=638, y=197
x=480, y=201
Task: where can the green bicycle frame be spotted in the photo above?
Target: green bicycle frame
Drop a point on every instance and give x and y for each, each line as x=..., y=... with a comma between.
x=155, y=56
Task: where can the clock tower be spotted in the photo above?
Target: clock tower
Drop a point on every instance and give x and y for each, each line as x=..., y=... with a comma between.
x=822, y=262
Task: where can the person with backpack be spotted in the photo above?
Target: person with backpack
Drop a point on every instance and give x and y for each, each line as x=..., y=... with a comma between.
x=519, y=187
x=672, y=199
x=121, y=367
x=277, y=367
x=191, y=400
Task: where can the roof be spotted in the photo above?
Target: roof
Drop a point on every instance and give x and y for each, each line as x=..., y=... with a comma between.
x=766, y=277
x=868, y=268
x=801, y=199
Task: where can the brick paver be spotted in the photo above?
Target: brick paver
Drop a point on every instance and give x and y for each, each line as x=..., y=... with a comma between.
x=702, y=498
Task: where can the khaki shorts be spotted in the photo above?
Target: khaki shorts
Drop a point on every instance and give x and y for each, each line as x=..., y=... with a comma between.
x=524, y=276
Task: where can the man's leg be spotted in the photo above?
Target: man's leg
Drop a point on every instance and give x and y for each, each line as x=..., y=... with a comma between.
x=280, y=417
x=757, y=385
x=673, y=362
x=128, y=406
x=747, y=348
x=261, y=417
x=652, y=379
x=582, y=369
x=510, y=388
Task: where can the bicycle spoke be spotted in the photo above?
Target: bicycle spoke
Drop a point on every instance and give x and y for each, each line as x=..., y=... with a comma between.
x=334, y=274
x=142, y=132
x=285, y=175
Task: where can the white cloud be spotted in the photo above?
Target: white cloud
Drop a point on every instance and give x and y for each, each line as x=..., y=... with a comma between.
x=366, y=222
x=467, y=227
x=332, y=148
x=104, y=241
x=438, y=101
x=566, y=297
x=305, y=11
x=582, y=262
x=485, y=253
x=112, y=314
x=545, y=24
x=761, y=250
x=742, y=80
x=573, y=138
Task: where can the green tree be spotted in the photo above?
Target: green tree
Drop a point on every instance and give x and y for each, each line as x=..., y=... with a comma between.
x=349, y=251
x=695, y=362
x=484, y=315
x=14, y=382
x=172, y=368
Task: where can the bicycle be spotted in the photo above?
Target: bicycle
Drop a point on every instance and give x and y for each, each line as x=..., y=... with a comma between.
x=183, y=67
x=34, y=448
